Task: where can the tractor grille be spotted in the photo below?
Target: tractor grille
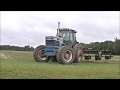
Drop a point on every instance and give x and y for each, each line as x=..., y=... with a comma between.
x=52, y=43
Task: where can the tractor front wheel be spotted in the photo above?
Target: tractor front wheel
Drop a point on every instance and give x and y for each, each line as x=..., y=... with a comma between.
x=38, y=54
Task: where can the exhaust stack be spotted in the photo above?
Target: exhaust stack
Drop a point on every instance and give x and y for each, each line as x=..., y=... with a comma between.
x=58, y=29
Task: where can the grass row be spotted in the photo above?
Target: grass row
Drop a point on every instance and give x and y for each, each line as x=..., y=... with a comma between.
x=22, y=66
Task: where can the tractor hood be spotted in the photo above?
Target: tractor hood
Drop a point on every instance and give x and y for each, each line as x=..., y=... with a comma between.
x=53, y=41
x=52, y=38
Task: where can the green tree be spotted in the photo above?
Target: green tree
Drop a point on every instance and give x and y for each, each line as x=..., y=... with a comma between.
x=117, y=46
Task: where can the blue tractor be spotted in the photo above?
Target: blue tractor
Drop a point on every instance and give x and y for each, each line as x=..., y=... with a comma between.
x=62, y=48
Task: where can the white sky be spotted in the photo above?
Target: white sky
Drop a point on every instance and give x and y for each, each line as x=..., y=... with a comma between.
x=30, y=27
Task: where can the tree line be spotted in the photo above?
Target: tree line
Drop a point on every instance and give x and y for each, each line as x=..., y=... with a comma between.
x=16, y=48
x=106, y=45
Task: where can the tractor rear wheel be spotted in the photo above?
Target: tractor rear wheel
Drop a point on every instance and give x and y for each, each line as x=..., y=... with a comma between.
x=38, y=52
x=78, y=53
x=100, y=56
x=65, y=55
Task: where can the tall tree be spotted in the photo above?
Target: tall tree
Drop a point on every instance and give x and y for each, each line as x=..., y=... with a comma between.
x=117, y=46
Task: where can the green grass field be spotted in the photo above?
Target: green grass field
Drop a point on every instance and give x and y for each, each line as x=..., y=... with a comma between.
x=20, y=65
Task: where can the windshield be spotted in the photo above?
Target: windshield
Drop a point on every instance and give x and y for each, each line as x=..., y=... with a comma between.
x=64, y=35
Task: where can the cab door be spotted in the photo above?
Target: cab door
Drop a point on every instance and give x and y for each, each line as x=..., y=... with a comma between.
x=72, y=38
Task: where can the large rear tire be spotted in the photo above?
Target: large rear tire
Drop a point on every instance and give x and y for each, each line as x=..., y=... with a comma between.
x=38, y=54
x=78, y=53
x=98, y=56
x=65, y=55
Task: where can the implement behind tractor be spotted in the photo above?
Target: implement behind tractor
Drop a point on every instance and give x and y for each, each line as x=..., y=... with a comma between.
x=97, y=53
x=62, y=48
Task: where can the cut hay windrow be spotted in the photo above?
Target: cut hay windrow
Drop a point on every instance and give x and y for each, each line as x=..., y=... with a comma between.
x=3, y=56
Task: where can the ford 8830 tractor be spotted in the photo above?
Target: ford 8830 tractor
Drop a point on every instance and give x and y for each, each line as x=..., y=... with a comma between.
x=62, y=48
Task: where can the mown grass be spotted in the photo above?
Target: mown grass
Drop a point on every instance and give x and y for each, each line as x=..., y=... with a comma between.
x=19, y=55
x=22, y=66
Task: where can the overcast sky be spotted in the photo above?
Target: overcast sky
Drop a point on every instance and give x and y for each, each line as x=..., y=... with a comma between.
x=30, y=27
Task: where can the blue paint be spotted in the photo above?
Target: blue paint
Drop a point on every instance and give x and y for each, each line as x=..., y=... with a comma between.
x=51, y=50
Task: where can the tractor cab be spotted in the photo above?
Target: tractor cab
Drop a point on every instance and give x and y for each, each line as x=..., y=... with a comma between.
x=68, y=36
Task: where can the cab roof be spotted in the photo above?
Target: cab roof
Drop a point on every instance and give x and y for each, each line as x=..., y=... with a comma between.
x=67, y=29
